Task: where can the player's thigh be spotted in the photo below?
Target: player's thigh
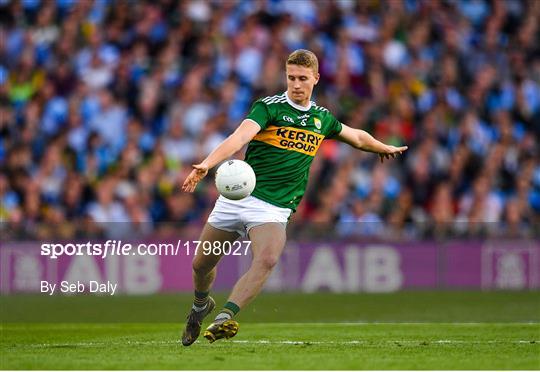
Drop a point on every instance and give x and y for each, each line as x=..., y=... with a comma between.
x=267, y=243
x=206, y=259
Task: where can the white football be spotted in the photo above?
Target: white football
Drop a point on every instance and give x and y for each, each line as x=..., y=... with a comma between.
x=235, y=179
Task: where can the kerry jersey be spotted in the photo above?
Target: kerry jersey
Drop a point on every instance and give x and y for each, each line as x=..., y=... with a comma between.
x=282, y=152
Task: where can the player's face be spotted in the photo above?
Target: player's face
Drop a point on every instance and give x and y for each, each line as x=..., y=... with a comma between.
x=300, y=83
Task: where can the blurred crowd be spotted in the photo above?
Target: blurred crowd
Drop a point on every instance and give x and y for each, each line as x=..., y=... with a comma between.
x=104, y=106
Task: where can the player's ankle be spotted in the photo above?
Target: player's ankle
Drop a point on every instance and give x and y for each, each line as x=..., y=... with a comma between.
x=228, y=312
x=201, y=301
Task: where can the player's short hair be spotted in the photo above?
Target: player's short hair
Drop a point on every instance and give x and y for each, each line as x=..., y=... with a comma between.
x=304, y=58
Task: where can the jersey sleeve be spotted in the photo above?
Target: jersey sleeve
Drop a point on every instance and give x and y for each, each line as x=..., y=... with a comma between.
x=334, y=126
x=259, y=114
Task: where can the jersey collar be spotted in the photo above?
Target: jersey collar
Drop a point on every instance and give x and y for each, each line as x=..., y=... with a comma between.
x=298, y=107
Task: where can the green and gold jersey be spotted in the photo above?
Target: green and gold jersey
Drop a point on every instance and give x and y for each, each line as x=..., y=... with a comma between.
x=282, y=152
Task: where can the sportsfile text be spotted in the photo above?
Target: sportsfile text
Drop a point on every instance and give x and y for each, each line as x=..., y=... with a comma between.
x=109, y=248
x=120, y=248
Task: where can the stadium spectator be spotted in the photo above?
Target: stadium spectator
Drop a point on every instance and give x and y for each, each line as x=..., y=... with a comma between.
x=104, y=106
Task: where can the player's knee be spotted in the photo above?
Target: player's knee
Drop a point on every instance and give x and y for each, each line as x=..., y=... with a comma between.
x=267, y=261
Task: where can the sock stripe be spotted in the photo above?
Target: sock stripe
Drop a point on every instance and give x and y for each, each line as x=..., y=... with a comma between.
x=234, y=308
x=200, y=302
x=227, y=311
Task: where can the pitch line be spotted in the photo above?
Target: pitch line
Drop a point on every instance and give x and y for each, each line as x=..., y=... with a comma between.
x=395, y=342
x=363, y=323
x=286, y=324
x=279, y=342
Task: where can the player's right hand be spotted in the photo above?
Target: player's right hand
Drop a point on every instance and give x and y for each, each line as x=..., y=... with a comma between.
x=197, y=174
x=392, y=152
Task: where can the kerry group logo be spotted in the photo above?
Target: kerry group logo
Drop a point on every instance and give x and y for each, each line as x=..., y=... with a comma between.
x=293, y=139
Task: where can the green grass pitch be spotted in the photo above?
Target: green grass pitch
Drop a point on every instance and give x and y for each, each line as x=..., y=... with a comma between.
x=407, y=330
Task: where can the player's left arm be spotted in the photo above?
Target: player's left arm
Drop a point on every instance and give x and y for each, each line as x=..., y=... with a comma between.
x=362, y=140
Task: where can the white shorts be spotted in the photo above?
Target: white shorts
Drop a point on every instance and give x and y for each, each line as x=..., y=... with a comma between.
x=241, y=215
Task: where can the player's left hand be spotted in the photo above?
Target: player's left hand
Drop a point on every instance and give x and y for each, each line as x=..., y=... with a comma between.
x=392, y=152
x=197, y=174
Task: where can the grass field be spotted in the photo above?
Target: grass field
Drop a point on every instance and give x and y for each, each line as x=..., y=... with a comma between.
x=408, y=330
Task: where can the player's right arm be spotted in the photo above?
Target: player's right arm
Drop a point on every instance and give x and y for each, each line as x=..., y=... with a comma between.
x=232, y=144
